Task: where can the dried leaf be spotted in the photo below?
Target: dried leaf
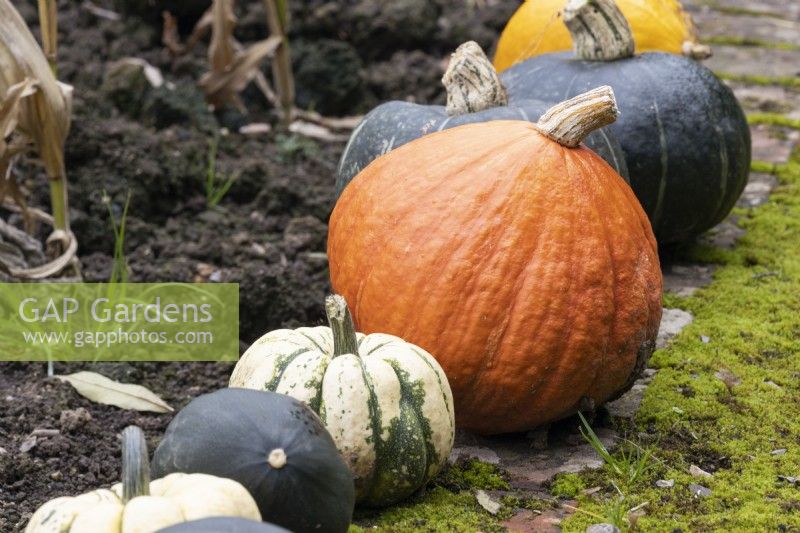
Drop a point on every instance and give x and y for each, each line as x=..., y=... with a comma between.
x=221, y=50
x=314, y=131
x=9, y=107
x=486, y=501
x=101, y=389
x=728, y=378
x=28, y=444
x=99, y=12
x=334, y=123
x=45, y=116
x=170, y=37
x=223, y=87
x=696, y=471
x=9, y=151
x=255, y=128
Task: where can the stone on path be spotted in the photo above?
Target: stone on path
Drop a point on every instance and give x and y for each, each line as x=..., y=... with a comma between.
x=699, y=491
x=672, y=322
x=602, y=528
x=712, y=23
x=549, y=521
x=480, y=453
x=773, y=143
x=757, y=190
x=529, y=469
x=777, y=8
x=767, y=99
x=685, y=279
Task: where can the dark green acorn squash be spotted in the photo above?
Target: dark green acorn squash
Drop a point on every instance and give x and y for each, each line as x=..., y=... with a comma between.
x=272, y=444
x=474, y=94
x=224, y=525
x=685, y=138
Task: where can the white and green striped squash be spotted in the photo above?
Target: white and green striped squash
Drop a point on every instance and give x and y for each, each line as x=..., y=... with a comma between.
x=386, y=403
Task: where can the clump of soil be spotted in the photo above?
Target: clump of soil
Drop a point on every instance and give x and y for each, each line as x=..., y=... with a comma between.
x=268, y=233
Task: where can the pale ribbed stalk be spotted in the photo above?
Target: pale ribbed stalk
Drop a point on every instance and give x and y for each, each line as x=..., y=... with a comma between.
x=569, y=122
x=135, y=464
x=341, y=323
x=472, y=82
x=599, y=30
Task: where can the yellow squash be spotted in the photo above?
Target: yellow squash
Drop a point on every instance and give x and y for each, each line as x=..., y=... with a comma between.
x=537, y=28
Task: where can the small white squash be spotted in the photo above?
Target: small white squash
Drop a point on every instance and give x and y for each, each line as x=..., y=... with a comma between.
x=386, y=403
x=139, y=506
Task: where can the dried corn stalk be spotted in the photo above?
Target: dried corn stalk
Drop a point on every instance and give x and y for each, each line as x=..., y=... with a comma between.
x=11, y=149
x=43, y=118
x=232, y=67
x=278, y=23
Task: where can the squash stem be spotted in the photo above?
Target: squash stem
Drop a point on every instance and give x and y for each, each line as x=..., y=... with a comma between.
x=569, y=122
x=135, y=464
x=599, y=30
x=341, y=323
x=472, y=82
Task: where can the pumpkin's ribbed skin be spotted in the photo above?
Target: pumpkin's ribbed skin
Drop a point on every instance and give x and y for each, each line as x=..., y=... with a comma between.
x=685, y=137
x=233, y=433
x=528, y=269
x=389, y=408
x=174, y=499
x=537, y=28
x=394, y=124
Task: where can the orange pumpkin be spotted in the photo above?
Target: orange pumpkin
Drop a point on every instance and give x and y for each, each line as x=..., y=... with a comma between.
x=524, y=265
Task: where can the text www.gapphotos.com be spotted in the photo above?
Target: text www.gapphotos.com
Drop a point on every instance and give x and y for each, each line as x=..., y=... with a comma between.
x=96, y=339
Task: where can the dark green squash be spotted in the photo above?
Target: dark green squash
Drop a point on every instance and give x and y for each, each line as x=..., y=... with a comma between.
x=685, y=138
x=474, y=94
x=224, y=525
x=272, y=444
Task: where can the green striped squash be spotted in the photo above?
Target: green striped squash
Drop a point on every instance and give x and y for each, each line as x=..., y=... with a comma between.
x=386, y=403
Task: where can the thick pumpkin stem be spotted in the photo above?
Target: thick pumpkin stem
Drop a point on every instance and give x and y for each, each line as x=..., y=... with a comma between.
x=599, y=30
x=135, y=464
x=341, y=323
x=568, y=123
x=471, y=81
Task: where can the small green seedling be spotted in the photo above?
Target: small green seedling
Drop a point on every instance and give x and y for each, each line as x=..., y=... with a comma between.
x=628, y=465
x=216, y=187
x=119, y=270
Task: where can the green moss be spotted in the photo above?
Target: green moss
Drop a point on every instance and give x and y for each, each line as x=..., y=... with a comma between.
x=473, y=474
x=773, y=119
x=439, y=510
x=673, y=301
x=765, y=167
x=754, y=79
x=737, y=40
x=567, y=486
x=750, y=315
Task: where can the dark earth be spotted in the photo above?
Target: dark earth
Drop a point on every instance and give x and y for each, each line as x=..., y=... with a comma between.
x=268, y=233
